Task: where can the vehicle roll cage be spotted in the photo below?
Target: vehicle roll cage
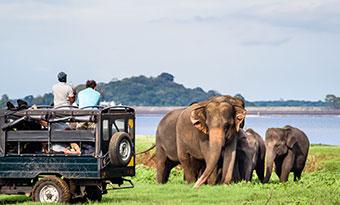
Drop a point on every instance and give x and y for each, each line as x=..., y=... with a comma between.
x=69, y=111
x=55, y=115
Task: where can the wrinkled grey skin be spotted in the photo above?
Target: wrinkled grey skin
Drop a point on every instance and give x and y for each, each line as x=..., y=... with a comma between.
x=202, y=130
x=250, y=156
x=166, y=148
x=287, y=147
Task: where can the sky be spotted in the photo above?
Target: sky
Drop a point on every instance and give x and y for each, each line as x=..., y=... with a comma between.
x=265, y=50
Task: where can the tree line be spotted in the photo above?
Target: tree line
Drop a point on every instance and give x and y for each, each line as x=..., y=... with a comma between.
x=163, y=91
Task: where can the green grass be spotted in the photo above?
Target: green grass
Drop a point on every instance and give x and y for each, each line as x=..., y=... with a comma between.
x=320, y=184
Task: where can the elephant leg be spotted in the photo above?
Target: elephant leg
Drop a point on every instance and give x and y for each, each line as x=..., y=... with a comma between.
x=169, y=165
x=185, y=160
x=240, y=166
x=229, y=161
x=189, y=175
x=298, y=167
x=197, y=166
x=287, y=166
x=251, y=175
x=278, y=167
x=248, y=169
x=297, y=175
x=201, y=169
x=260, y=169
x=236, y=172
x=212, y=180
x=162, y=166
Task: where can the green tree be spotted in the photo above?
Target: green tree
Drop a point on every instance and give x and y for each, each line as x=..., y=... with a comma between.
x=238, y=95
x=166, y=77
x=331, y=100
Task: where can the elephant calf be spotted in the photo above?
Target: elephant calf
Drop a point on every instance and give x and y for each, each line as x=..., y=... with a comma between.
x=287, y=147
x=250, y=156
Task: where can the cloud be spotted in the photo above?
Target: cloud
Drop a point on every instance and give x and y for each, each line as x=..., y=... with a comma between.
x=307, y=15
x=267, y=42
x=312, y=16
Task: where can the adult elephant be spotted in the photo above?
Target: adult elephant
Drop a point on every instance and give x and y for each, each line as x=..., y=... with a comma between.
x=250, y=155
x=202, y=130
x=287, y=147
x=166, y=149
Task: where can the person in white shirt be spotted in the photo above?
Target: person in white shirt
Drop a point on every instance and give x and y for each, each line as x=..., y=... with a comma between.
x=62, y=92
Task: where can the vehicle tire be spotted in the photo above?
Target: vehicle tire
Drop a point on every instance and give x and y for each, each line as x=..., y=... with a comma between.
x=51, y=189
x=93, y=193
x=120, y=149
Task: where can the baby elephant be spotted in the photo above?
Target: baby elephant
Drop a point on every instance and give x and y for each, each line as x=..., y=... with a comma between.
x=250, y=156
x=287, y=147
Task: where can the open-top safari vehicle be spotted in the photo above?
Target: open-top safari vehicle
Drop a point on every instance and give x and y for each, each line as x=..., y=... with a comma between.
x=60, y=154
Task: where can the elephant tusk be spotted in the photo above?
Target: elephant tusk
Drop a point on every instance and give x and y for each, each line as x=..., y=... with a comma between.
x=198, y=183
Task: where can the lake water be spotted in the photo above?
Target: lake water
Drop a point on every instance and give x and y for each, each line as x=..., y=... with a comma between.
x=319, y=129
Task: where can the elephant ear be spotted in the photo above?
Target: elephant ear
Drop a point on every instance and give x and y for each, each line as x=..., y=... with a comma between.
x=238, y=105
x=291, y=140
x=240, y=114
x=198, y=118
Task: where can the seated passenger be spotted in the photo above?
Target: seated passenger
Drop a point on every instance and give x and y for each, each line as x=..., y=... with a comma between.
x=72, y=149
x=89, y=96
x=65, y=148
x=62, y=92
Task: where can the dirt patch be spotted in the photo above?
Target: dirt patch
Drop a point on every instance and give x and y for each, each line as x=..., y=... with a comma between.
x=148, y=159
x=314, y=163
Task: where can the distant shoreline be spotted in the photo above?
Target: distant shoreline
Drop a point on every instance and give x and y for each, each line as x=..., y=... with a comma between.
x=253, y=110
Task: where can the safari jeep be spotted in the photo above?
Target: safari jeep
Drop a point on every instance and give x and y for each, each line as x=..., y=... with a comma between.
x=61, y=154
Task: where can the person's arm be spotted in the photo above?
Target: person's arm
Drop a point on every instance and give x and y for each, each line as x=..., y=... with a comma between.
x=98, y=100
x=71, y=95
x=74, y=149
x=77, y=100
x=43, y=123
x=71, y=99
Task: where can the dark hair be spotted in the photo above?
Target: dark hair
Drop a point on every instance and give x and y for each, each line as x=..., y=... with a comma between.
x=91, y=84
x=62, y=77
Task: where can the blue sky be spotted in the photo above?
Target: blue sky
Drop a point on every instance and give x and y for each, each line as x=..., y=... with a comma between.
x=264, y=49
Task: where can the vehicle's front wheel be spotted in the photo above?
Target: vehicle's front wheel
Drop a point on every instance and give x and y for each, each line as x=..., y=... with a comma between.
x=93, y=193
x=51, y=189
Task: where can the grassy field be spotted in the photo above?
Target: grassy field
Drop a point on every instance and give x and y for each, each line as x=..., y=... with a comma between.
x=320, y=184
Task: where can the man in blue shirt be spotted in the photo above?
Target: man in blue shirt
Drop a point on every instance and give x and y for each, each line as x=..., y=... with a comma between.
x=89, y=96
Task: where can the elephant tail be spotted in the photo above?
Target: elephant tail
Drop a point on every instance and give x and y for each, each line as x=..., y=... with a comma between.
x=147, y=150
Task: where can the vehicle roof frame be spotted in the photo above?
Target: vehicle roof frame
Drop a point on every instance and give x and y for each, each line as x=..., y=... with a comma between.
x=63, y=113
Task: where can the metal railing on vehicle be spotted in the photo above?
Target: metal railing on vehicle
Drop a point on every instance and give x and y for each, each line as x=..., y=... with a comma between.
x=126, y=108
x=66, y=106
x=95, y=106
x=41, y=106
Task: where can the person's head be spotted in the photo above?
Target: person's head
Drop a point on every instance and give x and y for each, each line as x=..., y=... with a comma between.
x=62, y=77
x=91, y=84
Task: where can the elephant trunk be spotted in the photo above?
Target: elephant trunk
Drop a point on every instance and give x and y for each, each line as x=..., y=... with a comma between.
x=270, y=156
x=216, y=140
